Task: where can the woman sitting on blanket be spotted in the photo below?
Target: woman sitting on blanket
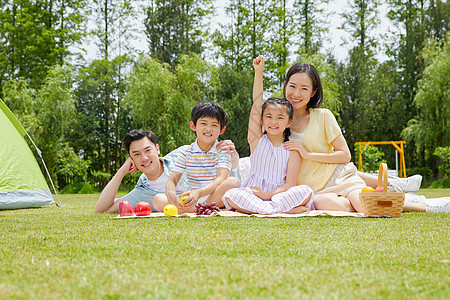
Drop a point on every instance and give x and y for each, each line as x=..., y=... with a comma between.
x=317, y=137
x=325, y=157
x=272, y=185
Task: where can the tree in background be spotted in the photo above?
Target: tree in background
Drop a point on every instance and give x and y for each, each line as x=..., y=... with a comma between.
x=243, y=38
x=162, y=101
x=56, y=123
x=36, y=35
x=417, y=20
x=238, y=43
x=430, y=128
x=235, y=95
x=356, y=75
x=385, y=110
x=20, y=99
x=113, y=27
x=48, y=114
x=101, y=88
x=101, y=113
x=310, y=25
x=176, y=27
x=276, y=43
x=443, y=154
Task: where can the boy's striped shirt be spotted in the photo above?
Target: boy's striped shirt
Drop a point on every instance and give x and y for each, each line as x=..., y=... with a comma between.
x=200, y=166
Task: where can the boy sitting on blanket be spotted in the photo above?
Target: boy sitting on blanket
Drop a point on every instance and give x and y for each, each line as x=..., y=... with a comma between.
x=206, y=167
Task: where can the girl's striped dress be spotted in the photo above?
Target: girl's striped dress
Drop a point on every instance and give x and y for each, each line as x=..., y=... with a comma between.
x=268, y=172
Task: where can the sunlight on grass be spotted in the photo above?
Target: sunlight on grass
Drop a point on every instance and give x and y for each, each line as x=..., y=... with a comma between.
x=71, y=252
x=434, y=193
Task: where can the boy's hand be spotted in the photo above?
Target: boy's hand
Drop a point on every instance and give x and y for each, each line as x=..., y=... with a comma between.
x=192, y=198
x=258, y=63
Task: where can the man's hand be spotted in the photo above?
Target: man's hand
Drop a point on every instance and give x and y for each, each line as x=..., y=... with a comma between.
x=128, y=167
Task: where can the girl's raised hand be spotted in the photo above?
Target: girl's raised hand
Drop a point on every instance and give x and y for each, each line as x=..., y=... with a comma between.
x=258, y=63
x=296, y=146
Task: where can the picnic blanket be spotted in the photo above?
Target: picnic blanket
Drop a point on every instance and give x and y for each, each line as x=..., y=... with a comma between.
x=224, y=213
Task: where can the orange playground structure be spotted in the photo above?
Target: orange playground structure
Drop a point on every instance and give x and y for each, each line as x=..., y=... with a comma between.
x=397, y=145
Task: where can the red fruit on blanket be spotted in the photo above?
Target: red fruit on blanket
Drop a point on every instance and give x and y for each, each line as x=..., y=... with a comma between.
x=126, y=209
x=379, y=189
x=142, y=209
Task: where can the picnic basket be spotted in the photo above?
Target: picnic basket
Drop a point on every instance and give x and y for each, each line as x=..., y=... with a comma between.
x=382, y=203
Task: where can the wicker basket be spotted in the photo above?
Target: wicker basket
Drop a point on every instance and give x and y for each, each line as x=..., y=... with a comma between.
x=382, y=203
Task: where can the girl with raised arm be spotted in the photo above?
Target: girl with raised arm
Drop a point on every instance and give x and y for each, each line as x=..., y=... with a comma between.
x=272, y=184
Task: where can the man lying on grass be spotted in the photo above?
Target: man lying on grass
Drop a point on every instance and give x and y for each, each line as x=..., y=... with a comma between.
x=143, y=148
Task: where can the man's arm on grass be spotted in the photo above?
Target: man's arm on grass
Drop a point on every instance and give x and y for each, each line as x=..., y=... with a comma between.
x=108, y=203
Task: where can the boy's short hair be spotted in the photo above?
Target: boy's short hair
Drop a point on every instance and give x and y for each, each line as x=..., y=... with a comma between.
x=211, y=110
x=136, y=135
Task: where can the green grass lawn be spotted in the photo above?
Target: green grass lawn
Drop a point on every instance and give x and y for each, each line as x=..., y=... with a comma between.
x=71, y=252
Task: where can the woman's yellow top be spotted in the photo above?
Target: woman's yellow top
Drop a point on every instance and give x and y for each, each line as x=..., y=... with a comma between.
x=318, y=136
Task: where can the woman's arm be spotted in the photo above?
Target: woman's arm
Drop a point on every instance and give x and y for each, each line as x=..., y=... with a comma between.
x=340, y=155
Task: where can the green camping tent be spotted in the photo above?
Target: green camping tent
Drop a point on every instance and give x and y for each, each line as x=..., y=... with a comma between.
x=22, y=184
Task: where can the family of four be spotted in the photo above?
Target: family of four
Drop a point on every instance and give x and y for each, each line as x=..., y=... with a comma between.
x=299, y=159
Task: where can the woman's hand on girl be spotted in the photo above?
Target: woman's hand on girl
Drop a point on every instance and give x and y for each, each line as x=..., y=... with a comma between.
x=297, y=146
x=258, y=63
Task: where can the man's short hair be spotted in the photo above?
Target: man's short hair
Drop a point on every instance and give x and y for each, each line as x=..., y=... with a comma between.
x=136, y=135
x=210, y=110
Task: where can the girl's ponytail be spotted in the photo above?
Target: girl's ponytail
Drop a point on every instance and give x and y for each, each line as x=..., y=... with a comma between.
x=287, y=133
